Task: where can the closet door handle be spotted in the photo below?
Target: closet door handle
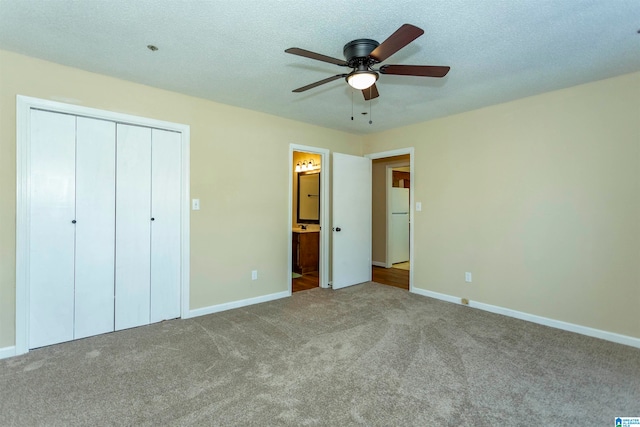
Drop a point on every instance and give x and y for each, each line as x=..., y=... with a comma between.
x=153, y=219
x=73, y=221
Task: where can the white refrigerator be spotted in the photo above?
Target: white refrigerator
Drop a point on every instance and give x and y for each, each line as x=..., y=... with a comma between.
x=399, y=231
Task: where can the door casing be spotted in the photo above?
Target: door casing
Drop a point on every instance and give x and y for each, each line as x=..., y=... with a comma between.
x=399, y=152
x=325, y=222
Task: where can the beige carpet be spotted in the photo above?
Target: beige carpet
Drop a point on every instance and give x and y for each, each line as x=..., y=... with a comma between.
x=369, y=355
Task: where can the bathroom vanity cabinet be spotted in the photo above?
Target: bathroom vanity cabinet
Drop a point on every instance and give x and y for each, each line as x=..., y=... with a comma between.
x=306, y=251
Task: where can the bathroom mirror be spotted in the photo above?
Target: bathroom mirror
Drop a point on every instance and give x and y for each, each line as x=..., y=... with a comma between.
x=308, y=198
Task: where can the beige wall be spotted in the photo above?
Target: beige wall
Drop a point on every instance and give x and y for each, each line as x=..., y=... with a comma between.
x=379, y=205
x=239, y=171
x=539, y=198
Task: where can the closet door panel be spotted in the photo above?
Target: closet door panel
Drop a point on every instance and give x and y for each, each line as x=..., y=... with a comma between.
x=165, y=229
x=133, y=230
x=95, y=227
x=51, y=232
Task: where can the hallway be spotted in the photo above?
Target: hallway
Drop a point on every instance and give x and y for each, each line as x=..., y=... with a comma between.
x=391, y=276
x=396, y=277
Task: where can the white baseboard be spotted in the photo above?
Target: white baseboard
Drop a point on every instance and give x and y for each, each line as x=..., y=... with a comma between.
x=235, y=304
x=436, y=295
x=558, y=324
x=11, y=351
x=379, y=264
x=7, y=352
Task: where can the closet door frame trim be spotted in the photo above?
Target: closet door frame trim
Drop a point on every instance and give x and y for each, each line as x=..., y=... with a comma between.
x=24, y=105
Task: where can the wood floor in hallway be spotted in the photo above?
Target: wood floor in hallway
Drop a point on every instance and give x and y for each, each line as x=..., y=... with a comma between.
x=386, y=276
x=391, y=276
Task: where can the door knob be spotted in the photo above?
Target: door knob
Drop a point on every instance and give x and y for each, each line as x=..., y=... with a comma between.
x=338, y=229
x=153, y=219
x=73, y=221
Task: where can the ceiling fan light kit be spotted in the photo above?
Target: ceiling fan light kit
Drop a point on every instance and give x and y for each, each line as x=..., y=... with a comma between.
x=363, y=54
x=362, y=79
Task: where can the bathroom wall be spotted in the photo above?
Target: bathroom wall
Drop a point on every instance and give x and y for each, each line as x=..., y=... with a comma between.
x=299, y=156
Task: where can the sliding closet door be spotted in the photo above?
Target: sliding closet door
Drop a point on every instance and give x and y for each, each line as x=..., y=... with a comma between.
x=95, y=227
x=133, y=229
x=165, y=228
x=51, y=232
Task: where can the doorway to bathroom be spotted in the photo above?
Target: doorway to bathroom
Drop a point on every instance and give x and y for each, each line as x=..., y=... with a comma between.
x=308, y=252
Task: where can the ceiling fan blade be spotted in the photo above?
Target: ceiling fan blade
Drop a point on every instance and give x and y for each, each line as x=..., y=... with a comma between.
x=370, y=93
x=318, y=83
x=317, y=56
x=415, y=70
x=396, y=41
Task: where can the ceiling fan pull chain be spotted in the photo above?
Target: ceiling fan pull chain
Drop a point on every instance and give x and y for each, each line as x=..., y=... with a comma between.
x=370, y=102
x=352, y=105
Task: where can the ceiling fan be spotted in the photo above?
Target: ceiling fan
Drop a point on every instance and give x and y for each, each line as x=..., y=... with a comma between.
x=363, y=54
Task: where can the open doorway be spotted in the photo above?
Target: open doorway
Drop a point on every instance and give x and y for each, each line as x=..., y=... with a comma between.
x=308, y=205
x=391, y=216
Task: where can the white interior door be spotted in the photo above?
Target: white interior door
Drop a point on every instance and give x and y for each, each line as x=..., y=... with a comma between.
x=51, y=233
x=165, y=227
x=95, y=227
x=351, y=220
x=133, y=226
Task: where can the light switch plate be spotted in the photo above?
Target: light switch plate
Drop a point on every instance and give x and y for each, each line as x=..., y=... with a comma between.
x=195, y=204
x=418, y=206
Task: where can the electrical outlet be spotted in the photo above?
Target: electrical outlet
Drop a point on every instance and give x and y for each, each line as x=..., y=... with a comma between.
x=464, y=301
x=195, y=204
x=254, y=275
x=467, y=277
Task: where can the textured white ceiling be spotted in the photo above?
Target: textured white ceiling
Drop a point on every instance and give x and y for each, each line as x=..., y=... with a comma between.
x=233, y=51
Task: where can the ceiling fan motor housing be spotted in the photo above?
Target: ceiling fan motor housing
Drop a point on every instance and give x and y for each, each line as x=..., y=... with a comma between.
x=357, y=52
